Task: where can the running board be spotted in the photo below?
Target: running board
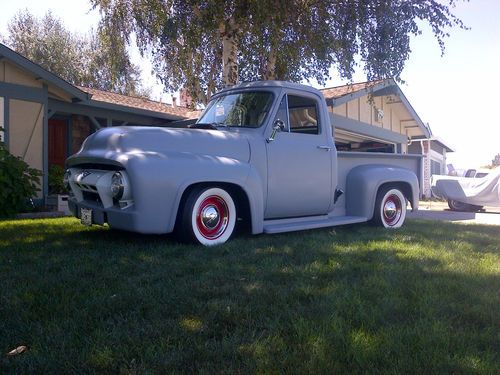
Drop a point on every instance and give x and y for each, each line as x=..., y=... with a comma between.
x=312, y=222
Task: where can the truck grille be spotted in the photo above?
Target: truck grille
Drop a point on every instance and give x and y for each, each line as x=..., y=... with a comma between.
x=92, y=197
x=86, y=187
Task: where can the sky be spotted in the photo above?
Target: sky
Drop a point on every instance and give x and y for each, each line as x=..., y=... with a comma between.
x=456, y=94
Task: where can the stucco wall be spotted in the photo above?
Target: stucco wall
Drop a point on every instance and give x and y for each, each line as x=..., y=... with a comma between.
x=25, y=118
x=26, y=131
x=12, y=74
x=361, y=109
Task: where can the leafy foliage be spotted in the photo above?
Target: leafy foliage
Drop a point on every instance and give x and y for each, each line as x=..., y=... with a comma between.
x=93, y=60
x=18, y=183
x=204, y=45
x=56, y=176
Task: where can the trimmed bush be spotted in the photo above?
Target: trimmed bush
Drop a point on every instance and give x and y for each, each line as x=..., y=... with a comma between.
x=56, y=180
x=18, y=183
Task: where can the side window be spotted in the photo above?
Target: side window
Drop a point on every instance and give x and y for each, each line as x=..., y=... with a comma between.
x=303, y=115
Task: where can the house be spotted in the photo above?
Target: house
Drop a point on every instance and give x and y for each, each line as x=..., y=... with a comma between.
x=45, y=119
x=376, y=116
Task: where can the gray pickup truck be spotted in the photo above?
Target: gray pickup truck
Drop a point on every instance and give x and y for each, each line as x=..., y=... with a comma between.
x=262, y=154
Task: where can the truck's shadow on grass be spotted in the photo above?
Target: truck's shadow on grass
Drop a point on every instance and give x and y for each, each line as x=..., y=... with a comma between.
x=423, y=299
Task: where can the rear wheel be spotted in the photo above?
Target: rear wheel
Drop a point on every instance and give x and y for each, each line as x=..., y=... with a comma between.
x=390, y=208
x=460, y=206
x=208, y=217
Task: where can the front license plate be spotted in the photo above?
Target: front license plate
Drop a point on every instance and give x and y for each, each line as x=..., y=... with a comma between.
x=86, y=216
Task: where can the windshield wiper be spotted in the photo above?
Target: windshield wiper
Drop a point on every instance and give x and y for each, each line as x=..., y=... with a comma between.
x=202, y=125
x=206, y=125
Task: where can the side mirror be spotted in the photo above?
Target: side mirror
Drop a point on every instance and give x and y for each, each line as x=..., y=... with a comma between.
x=278, y=126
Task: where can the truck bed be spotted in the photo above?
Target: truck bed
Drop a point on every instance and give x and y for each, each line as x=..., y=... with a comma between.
x=349, y=160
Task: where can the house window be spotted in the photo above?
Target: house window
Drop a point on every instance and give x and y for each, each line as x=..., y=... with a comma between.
x=435, y=167
x=2, y=121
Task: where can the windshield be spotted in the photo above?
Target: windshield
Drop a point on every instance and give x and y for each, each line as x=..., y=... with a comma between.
x=244, y=109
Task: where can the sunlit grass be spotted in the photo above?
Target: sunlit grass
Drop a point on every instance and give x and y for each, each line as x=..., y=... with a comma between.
x=354, y=299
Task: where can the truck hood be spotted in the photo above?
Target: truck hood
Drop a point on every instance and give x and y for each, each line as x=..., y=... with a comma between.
x=116, y=143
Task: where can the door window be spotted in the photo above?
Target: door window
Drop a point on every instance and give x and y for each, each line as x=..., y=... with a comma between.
x=299, y=114
x=303, y=115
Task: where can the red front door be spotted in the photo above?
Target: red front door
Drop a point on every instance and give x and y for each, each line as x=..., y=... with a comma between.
x=58, y=142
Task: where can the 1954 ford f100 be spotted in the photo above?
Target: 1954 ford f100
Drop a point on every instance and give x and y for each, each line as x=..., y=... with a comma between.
x=261, y=154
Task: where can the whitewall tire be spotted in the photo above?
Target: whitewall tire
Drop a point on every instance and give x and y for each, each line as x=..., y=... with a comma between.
x=390, y=208
x=208, y=217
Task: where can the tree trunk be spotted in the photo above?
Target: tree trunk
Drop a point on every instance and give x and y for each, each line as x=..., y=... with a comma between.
x=269, y=71
x=228, y=32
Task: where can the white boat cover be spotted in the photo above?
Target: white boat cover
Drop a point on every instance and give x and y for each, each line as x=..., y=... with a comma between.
x=484, y=191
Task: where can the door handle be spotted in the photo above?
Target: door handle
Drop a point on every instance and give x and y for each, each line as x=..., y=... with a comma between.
x=327, y=148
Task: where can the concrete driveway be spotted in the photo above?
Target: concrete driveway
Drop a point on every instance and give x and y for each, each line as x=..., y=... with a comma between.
x=440, y=211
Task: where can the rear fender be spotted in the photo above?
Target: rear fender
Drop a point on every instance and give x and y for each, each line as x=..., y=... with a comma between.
x=364, y=182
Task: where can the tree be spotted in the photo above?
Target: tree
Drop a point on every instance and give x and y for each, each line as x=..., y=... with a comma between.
x=92, y=60
x=202, y=45
x=496, y=161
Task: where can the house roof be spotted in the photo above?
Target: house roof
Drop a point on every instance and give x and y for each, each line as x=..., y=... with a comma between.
x=335, y=96
x=340, y=91
x=138, y=103
x=99, y=98
x=437, y=140
x=41, y=73
x=440, y=142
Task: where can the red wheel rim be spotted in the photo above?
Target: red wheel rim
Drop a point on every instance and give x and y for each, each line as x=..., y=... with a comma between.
x=212, y=217
x=391, y=210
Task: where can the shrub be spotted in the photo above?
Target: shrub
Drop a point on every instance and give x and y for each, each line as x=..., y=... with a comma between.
x=18, y=183
x=56, y=177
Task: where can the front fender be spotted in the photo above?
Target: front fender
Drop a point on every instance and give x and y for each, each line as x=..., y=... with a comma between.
x=363, y=183
x=158, y=184
x=244, y=176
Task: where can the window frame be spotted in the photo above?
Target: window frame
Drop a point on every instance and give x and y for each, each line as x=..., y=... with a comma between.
x=316, y=108
x=239, y=92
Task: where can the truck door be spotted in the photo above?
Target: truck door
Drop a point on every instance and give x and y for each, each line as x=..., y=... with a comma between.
x=299, y=161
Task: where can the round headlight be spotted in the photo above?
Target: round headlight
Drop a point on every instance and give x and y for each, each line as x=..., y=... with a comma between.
x=117, y=187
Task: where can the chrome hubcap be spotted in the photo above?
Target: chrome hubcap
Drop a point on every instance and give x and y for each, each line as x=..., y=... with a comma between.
x=390, y=210
x=210, y=217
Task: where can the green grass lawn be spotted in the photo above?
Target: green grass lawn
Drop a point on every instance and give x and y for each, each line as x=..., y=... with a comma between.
x=356, y=299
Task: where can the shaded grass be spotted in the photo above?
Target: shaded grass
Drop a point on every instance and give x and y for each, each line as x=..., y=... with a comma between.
x=357, y=299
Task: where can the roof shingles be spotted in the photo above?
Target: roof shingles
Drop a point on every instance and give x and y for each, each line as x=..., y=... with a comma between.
x=137, y=102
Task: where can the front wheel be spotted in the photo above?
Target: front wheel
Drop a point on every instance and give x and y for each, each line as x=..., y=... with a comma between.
x=208, y=216
x=390, y=208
